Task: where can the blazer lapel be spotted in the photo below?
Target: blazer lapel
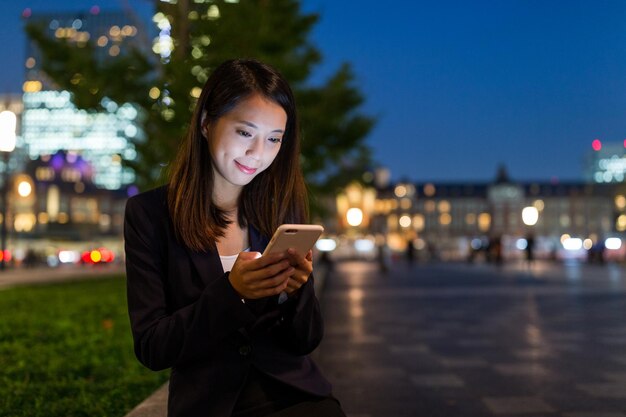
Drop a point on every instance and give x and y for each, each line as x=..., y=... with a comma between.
x=257, y=241
x=207, y=264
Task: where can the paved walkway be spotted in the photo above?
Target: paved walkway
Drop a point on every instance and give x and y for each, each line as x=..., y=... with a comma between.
x=461, y=340
x=476, y=340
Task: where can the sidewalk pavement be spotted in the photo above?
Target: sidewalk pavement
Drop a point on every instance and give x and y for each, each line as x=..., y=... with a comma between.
x=461, y=340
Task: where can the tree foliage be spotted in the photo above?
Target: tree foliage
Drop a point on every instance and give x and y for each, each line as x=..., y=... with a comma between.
x=204, y=35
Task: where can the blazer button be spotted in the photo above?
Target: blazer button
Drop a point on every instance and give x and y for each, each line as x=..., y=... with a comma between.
x=245, y=350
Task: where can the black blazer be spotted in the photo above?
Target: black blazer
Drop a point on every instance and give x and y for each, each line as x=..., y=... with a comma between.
x=185, y=315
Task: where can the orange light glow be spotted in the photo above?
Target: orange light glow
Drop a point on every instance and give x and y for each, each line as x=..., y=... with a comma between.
x=107, y=255
x=95, y=256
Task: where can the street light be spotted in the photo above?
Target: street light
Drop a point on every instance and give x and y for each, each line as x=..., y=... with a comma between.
x=354, y=216
x=8, y=124
x=530, y=215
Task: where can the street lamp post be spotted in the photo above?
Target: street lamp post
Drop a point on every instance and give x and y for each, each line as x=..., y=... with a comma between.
x=530, y=215
x=8, y=124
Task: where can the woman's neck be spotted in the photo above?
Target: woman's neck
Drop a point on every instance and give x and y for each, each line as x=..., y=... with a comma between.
x=229, y=205
x=226, y=195
x=235, y=239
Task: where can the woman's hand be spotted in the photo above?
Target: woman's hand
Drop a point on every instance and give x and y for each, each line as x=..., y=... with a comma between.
x=302, y=268
x=254, y=276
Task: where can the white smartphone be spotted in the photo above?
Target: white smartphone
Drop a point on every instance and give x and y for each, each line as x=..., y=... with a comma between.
x=301, y=237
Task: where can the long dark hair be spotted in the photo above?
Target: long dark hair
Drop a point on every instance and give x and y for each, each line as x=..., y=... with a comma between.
x=275, y=196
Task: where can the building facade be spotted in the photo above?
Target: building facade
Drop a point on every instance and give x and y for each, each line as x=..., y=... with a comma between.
x=50, y=122
x=453, y=219
x=606, y=162
x=54, y=205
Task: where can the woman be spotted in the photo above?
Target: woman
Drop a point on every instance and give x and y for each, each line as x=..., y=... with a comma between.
x=201, y=299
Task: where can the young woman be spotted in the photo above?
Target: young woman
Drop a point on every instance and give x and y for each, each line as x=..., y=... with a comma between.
x=201, y=299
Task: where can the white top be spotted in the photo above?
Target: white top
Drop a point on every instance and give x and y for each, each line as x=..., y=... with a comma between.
x=228, y=261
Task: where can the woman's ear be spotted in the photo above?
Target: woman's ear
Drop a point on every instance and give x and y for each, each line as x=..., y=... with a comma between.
x=204, y=126
x=205, y=130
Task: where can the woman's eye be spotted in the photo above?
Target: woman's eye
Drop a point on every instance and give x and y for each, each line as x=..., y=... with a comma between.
x=275, y=140
x=243, y=133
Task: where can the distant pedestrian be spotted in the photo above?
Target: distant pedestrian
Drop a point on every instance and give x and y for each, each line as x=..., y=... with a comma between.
x=410, y=251
x=381, y=257
x=495, y=250
x=530, y=250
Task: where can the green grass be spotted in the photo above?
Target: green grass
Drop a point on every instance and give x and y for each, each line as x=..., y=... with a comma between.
x=66, y=350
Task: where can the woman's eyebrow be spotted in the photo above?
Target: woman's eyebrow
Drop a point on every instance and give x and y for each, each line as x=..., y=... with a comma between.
x=247, y=123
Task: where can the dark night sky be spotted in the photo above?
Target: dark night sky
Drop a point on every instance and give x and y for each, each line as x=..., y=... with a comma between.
x=458, y=87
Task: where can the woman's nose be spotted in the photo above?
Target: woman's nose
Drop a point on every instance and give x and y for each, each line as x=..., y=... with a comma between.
x=255, y=148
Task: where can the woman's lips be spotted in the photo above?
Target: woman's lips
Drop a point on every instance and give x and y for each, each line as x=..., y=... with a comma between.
x=245, y=169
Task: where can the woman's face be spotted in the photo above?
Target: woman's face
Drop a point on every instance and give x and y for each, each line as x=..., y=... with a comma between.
x=244, y=142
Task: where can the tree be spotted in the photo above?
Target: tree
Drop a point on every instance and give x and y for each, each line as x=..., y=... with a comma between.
x=204, y=35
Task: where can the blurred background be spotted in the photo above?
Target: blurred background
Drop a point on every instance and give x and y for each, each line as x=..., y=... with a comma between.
x=472, y=134
x=435, y=126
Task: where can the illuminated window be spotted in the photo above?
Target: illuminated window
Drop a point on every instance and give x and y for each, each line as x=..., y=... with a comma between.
x=392, y=222
x=44, y=174
x=444, y=206
x=84, y=210
x=405, y=221
x=43, y=218
x=378, y=206
x=484, y=221
x=620, y=224
x=418, y=222
x=24, y=222
x=400, y=191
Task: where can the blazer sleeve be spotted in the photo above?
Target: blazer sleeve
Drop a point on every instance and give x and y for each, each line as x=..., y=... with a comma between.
x=301, y=325
x=165, y=337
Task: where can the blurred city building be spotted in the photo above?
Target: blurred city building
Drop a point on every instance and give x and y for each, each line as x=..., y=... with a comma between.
x=462, y=221
x=56, y=198
x=14, y=104
x=50, y=122
x=55, y=208
x=606, y=162
x=65, y=185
